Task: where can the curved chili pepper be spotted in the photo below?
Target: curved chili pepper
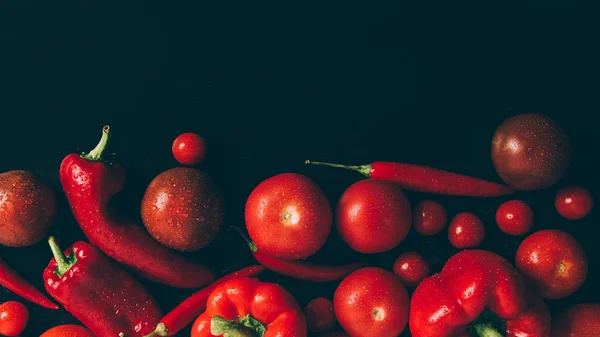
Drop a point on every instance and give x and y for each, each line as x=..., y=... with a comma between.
x=12, y=281
x=89, y=184
x=427, y=179
x=194, y=305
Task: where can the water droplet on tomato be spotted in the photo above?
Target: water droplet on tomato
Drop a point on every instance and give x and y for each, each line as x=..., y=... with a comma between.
x=28, y=201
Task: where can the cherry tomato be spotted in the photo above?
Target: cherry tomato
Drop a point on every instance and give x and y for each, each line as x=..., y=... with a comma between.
x=373, y=216
x=429, y=217
x=580, y=320
x=319, y=315
x=371, y=302
x=514, y=217
x=13, y=318
x=574, y=202
x=288, y=216
x=466, y=230
x=189, y=149
x=68, y=330
x=411, y=268
x=553, y=261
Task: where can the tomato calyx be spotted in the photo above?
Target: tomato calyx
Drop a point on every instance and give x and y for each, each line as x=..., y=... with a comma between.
x=487, y=325
x=246, y=326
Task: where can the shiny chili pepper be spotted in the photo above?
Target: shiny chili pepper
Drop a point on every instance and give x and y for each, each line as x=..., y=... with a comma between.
x=246, y=307
x=102, y=296
x=89, y=184
x=194, y=305
x=12, y=281
x=427, y=179
x=454, y=301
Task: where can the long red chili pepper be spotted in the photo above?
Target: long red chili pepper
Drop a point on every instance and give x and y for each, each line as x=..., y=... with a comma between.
x=194, y=305
x=89, y=184
x=12, y=281
x=427, y=179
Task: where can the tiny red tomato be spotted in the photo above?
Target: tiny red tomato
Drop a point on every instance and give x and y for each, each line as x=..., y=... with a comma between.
x=429, y=217
x=371, y=302
x=319, y=315
x=411, y=268
x=13, y=318
x=553, y=261
x=466, y=230
x=189, y=148
x=574, y=202
x=580, y=320
x=514, y=217
x=68, y=330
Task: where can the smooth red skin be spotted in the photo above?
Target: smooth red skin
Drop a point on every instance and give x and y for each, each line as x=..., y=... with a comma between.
x=553, y=261
x=580, y=320
x=429, y=217
x=288, y=194
x=68, y=330
x=574, y=202
x=12, y=281
x=466, y=230
x=89, y=186
x=13, y=318
x=320, y=316
x=411, y=268
x=365, y=291
x=514, y=217
x=101, y=295
x=268, y=303
x=189, y=148
x=373, y=216
x=444, y=304
x=431, y=180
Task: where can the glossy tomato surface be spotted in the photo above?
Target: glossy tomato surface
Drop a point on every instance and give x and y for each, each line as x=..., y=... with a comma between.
x=68, y=330
x=189, y=148
x=466, y=230
x=411, y=268
x=429, y=217
x=514, y=217
x=319, y=315
x=13, y=318
x=574, y=202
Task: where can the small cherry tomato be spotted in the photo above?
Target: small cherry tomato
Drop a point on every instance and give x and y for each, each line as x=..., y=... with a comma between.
x=68, y=330
x=13, y=318
x=189, y=149
x=319, y=315
x=579, y=320
x=514, y=217
x=552, y=261
x=466, y=230
x=429, y=217
x=411, y=268
x=371, y=302
x=574, y=202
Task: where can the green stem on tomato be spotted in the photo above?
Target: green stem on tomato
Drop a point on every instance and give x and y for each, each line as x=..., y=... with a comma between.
x=485, y=330
x=96, y=153
x=64, y=263
x=362, y=169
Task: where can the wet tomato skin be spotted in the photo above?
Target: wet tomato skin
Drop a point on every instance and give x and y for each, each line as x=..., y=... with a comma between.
x=68, y=330
x=319, y=315
x=189, y=148
x=514, y=217
x=13, y=318
x=466, y=230
x=429, y=217
x=574, y=202
x=411, y=268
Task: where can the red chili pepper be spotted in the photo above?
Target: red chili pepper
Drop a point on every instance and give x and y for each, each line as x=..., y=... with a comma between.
x=103, y=297
x=89, y=183
x=194, y=305
x=12, y=281
x=455, y=300
x=427, y=179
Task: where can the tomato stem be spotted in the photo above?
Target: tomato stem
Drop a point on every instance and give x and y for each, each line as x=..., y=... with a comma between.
x=96, y=153
x=486, y=330
x=362, y=169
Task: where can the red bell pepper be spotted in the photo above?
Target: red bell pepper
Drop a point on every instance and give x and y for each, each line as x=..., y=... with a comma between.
x=479, y=292
x=246, y=307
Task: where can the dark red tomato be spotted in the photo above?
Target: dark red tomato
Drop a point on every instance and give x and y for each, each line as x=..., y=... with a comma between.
x=319, y=315
x=552, y=261
x=514, y=217
x=288, y=216
x=466, y=230
x=371, y=302
x=189, y=148
x=13, y=318
x=411, y=268
x=373, y=216
x=580, y=320
x=574, y=202
x=429, y=217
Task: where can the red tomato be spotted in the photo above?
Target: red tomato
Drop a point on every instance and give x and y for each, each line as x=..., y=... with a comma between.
x=288, y=216
x=411, y=268
x=319, y=315
x=373, y=216
x=553, y=261
x=429, y=217
x=13, y=318
x=574, y=202
x=371, y=302
x=68, y=330
x=580, y=320
x=514, y=217
x=466, y=230
x=189, y=148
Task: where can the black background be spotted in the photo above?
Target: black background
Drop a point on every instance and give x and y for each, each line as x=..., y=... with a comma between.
x=270, y=86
